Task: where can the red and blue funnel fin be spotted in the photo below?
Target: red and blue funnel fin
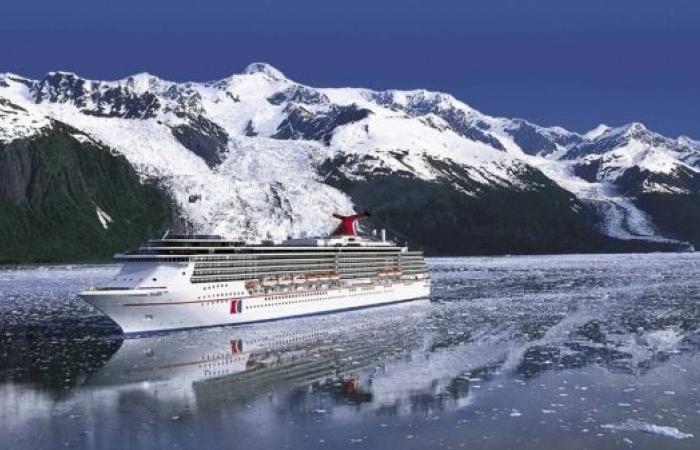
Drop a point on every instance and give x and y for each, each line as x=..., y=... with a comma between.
x=348, y=224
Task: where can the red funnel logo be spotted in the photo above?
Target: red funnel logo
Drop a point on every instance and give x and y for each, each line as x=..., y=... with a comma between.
x=348, y=224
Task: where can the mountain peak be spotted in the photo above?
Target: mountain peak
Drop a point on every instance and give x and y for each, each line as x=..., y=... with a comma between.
x=62, y=73
x=628, y=130
x=267, y=69
x=688, y=141
x=635, y=127
x=5, y=76
x=597, y=131
x=142, y=81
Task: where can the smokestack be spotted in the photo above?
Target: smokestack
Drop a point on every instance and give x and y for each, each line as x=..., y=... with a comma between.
x=383, y=235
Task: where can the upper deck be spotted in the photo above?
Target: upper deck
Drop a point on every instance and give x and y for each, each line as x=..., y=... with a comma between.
x=216, y=259
x=186, y=247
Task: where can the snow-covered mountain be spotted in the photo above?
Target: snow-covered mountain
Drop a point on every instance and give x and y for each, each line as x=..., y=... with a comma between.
x=259, y=156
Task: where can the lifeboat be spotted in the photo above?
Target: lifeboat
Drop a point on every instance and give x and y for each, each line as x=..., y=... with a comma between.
x=284, y=280
x=299, y=279
x=334, y=276
x=250, y=285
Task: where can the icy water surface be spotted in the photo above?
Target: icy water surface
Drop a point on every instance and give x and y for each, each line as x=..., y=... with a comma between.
x=524, y=352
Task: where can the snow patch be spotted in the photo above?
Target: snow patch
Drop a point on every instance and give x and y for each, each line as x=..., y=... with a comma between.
x=103, y=217
x=18, y=123
x=81, y=138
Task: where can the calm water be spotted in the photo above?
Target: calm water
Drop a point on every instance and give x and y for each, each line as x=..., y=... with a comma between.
x=527, y=353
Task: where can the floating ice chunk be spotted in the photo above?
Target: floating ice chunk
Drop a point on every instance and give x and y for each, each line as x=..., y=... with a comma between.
x=664, y=340
x=646, y=427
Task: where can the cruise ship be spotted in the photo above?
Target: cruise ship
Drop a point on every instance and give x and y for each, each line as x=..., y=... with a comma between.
x=189, y=281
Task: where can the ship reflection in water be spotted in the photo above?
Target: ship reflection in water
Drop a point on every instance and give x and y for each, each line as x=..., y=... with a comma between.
x=584, y=351
x=217, y=365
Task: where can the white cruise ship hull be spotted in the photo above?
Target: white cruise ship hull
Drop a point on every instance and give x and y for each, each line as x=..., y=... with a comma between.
x=189, y=281
x=155, y=309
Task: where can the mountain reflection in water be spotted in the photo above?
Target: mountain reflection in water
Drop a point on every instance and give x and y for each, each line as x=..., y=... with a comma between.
x=527, y=351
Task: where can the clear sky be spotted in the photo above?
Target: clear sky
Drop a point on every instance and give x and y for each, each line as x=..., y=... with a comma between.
x=574, y=63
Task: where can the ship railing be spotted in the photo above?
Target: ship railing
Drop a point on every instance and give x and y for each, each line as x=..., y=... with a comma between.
x=267, y=250
x=367, y=274
x=279, y=255
x=250, y=261
x=263, y=265
x=292, y=269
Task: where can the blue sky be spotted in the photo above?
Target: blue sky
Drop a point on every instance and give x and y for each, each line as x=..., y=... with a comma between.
x=555, y=62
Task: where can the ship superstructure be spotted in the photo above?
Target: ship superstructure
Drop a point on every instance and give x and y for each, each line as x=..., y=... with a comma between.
x=183, y=281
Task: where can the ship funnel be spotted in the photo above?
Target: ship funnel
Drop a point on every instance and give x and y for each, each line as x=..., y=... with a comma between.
x=347, y=225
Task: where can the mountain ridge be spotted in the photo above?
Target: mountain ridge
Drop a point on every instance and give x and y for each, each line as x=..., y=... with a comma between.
x=250, y=155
